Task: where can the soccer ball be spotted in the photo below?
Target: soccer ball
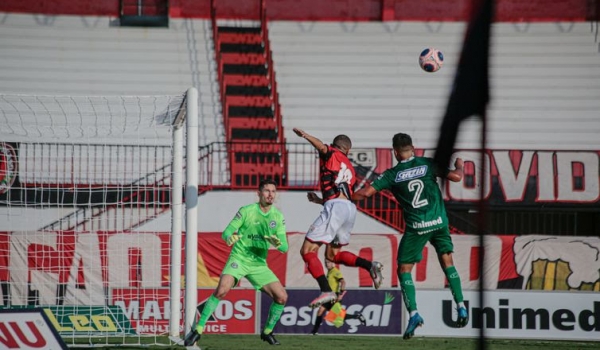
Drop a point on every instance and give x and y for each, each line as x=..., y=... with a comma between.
x=431, y=60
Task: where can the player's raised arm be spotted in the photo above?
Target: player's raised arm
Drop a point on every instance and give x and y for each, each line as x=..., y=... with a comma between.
x=457, y=174
x=317, y=144
x=363, y=193
x=314, y=198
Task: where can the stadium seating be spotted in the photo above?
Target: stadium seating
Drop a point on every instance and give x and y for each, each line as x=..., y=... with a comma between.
x=74, y=55
x=363, y=79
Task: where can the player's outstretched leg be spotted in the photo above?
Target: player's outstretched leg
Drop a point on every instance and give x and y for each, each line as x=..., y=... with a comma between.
x=357, y=316
x=376, y=275
x=192, y=337
x=463, y=317
x=209, y=307
x=323, y=298
x=415, y=321
x=362, y=319
x=269, y=338
x=374, y=267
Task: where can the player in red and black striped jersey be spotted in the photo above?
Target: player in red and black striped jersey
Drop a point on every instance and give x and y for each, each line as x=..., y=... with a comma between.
x=336, y=221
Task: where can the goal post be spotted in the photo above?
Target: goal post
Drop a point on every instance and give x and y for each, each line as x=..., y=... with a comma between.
x=191, y=204
x=91, y=212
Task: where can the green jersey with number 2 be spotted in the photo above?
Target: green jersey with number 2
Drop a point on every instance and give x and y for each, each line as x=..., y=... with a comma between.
x=414, y=184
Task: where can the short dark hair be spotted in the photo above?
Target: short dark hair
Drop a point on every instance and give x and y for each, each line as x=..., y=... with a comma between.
x=265, y=182
x=401, y=141
x=342, y=142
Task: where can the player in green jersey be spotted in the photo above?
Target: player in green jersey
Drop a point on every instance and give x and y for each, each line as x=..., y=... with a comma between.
x=413, y=182
x=250, y=232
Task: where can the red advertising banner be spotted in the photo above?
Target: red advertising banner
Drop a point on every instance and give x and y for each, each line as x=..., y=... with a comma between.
x=148, y=310
x=517, y=178
x=49, y=268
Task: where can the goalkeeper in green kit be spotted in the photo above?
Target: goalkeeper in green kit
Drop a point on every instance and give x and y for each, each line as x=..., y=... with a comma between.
x=413, y=182
x=250, y=232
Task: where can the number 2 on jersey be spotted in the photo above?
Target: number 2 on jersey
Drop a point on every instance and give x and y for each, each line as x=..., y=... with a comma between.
x=417, y=187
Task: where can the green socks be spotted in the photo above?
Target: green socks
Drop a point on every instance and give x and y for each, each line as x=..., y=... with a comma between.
x=408, y=291
x=209, y=307
x=275, y=312
x=454, y=281
x=211, y=304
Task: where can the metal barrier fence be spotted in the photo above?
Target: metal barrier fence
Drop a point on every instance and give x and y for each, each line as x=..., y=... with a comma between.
x=133, y=176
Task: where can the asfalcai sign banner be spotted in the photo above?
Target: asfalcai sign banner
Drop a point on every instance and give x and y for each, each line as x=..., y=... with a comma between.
x=382, y=310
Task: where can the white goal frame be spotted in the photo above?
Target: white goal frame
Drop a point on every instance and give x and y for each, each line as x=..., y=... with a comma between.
x=132, y=167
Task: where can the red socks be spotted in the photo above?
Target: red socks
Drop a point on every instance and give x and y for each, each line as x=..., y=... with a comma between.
x=314, y=265
x=345, y=258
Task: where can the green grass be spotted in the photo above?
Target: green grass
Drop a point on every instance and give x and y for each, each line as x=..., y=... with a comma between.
x=349, y=342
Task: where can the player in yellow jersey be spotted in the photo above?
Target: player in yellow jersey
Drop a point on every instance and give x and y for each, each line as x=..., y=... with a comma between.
x=337, y=284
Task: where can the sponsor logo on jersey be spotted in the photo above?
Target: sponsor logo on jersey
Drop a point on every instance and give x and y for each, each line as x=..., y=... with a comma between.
x=430, y=223
x=412, y=173
x=255, y=237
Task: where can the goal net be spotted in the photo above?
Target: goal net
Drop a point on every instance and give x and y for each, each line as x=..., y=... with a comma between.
x=86, y=187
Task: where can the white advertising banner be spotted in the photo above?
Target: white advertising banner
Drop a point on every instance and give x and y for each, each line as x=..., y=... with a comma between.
x=514, y=314
x=28, y=329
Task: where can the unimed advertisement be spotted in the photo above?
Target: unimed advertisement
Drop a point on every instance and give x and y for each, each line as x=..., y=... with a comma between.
x=514, y=314
x=381, y=309
x=148, y=310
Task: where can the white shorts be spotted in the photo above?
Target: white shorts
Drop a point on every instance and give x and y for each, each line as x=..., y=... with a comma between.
x=334, y=224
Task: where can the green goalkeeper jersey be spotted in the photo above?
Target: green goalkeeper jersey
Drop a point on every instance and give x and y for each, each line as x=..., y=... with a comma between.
x=414, y=184
x=252, y=224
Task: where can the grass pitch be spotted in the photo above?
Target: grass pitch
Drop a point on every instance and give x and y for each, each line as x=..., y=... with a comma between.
x=349, y=342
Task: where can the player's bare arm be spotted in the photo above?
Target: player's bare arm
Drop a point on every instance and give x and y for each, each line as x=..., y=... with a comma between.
x=314, y=198
x=456, y=175
x=317, y=144
x=342, y=287
x=363, y=193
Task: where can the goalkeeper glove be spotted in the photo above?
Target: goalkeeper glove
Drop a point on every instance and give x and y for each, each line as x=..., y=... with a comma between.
x=232, y=239
x=274, y=240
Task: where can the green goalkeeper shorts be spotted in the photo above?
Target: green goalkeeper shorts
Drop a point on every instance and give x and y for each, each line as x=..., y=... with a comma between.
x=258, y=274
x=412, y=243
